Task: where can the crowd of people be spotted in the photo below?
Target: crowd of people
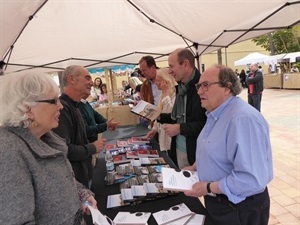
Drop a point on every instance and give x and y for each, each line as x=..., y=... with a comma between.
x=48, y=139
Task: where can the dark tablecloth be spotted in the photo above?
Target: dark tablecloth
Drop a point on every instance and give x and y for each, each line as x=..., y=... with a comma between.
x=102, y=190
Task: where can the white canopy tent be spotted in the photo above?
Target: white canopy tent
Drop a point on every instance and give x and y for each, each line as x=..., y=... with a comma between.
x=254, y=57
x=292, y=56
x=284, y=57
x=52, y=34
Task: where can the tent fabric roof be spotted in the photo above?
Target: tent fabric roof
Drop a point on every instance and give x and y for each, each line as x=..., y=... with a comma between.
x=254, y=57
x=53, y=34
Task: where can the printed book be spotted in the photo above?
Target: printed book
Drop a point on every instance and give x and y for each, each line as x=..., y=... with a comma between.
x=128, y=218
x=138, y=140
x=143, y=153
x=173, y=214
x=178, y=180
x=146, y=110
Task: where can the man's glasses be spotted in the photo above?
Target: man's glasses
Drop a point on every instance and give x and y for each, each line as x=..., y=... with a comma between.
x=53, y=101
x=205, y=85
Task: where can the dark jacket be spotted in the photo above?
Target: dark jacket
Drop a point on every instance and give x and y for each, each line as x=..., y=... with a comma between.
x=257, y=81
x=195, y=121
x=71, y=128
x=94, y=122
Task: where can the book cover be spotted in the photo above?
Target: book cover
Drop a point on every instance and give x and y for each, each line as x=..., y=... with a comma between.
x=146, y=110
x=138, y=192
x=178, y=180
x=117, y=159
x=155, y=189
x=128, y=218
x=114, y=201
x=174, y=213
x=196, y=219
x=144, y=153
x=139, y=140
x=132, y=154
x=122, y=143
x=152, y=161
x=127, y=195
x=110, y=146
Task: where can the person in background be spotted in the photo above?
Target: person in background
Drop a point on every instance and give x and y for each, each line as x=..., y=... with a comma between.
x=255, y=82
x=166, y=83
x=261, y=70
x=77, y=83
x=103, y=97
x=96, y=90
x=94, y=122
x=243, y=78
x=234, y=155
x=37, y=182
x=149, y=90
x=187, y=118
x=294, y=69
x=134, y=82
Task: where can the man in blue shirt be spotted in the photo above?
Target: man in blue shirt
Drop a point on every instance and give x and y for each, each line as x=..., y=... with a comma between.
x=234, y=156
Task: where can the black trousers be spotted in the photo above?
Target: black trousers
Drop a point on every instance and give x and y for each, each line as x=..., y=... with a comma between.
x=254, y=210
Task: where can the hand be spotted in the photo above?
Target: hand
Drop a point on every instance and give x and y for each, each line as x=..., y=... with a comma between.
x=198, y=190
x=165, y=87
x=112, y=125
x=151, y=134
x=172, y=129
x=92, y=202
x=99, y=144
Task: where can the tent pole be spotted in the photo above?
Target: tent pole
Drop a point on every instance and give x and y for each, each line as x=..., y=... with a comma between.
x=197, y=56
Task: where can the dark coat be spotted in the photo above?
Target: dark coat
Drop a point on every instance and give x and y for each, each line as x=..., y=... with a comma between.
x=195, y=121
x=71, y=128
x=257, y=81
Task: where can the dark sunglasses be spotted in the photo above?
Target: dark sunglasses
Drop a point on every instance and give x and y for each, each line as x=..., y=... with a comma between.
x=53, y=101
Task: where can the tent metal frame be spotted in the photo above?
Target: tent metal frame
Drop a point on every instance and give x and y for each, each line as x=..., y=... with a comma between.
x=117, y=60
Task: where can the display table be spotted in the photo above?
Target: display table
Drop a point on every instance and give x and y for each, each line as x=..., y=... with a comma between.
x=102, y=191
x=121, y=113
x=273, y=81
x=291, y=81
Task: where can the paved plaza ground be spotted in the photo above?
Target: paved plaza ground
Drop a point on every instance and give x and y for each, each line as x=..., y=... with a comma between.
x=281, y=108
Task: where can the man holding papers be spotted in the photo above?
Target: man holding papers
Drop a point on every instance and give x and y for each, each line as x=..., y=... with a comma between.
x=233, y=157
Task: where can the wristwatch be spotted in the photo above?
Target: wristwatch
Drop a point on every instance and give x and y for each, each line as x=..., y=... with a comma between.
x=209, y=192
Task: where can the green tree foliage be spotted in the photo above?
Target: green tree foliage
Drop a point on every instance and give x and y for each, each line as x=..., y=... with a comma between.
x=285, y=40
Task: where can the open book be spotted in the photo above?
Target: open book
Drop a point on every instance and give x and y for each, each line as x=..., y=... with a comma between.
x=146, y=110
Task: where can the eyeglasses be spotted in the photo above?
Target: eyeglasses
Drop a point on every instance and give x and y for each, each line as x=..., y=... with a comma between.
x=205, y=85
x=53, y=101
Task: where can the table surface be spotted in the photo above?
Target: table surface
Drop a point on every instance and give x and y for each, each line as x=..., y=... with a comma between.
x=102, y=190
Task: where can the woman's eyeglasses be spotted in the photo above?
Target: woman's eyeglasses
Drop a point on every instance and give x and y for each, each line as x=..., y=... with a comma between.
x=205, y=85
x=53, y=101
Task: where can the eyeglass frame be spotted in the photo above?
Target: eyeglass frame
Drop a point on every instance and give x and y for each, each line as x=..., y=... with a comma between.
x=53, y=101
x=207, y=85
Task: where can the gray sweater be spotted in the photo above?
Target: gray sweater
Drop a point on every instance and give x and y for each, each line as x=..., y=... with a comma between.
x=36, y=180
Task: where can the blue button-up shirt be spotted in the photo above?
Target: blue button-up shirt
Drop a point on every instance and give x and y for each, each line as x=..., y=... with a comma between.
x=234, y=148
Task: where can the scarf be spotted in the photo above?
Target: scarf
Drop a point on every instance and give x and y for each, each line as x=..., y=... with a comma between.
x=178, y=112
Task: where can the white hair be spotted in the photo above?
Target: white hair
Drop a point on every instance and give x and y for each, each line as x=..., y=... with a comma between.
x=19, y=92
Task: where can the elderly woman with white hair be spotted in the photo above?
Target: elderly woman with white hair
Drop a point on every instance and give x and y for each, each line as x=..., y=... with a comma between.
x=37, y=182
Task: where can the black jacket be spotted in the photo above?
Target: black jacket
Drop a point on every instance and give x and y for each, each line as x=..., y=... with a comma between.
x=195, y=121
x=71, y=128
x=257, y=81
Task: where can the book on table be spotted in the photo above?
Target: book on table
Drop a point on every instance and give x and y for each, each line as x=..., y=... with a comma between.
x=128, y=218
x=144, y=153
x=146, y=110
x=173, y=214
x=138, y=140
